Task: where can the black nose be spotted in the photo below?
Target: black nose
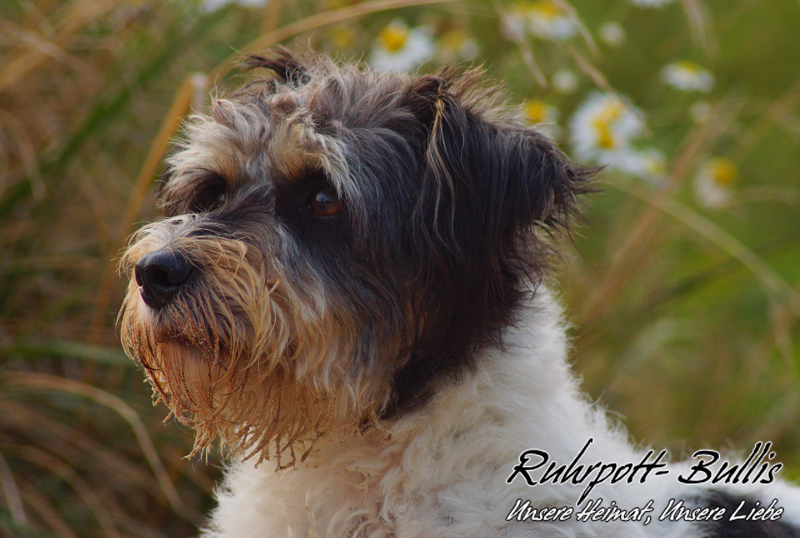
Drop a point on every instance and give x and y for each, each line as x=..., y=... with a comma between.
x=162, y=274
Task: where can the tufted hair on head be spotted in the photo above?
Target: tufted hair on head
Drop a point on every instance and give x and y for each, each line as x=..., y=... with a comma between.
x=444, y=203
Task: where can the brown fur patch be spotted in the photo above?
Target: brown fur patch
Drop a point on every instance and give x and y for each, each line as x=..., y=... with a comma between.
x=258, y=366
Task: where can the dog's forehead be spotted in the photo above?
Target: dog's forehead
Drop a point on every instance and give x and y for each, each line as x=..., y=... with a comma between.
x=269, y=131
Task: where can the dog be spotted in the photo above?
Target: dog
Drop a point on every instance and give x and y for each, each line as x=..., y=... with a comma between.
x=348, y=291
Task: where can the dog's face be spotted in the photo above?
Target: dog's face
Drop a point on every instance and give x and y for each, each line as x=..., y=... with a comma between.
x=336, y=243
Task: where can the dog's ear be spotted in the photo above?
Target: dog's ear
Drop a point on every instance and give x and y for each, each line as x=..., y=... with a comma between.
x=491, y=190
x=285, y=65
x=488, y=180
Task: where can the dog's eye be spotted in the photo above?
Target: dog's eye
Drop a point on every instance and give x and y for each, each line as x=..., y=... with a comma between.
x=209, y=194
x=325, y=203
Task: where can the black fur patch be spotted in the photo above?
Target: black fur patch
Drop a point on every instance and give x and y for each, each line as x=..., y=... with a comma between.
x=488, y=189
x=742, y=528
x=283, y=62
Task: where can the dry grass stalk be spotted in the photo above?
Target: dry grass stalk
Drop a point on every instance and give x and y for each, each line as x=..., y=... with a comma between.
x=26, y=150
x=272, y=16
x=590, y=71
x=524, y=48
x=700, y=141
x=90, y=498
x=48, y=382
x=572, y=13
x=700, y=26
x=777, y=288
x=47, y=514
x=75, y=17
x=11, y=492
x=776, y=113
x=530, y=63
x=113, y=468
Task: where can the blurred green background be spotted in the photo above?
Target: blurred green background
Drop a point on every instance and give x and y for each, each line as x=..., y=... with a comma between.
x=682, y=285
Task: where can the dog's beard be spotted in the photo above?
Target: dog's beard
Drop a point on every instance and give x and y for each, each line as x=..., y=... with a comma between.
x=241, y=356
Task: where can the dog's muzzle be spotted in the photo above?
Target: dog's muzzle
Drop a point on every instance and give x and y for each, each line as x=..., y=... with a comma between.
x=161, y=275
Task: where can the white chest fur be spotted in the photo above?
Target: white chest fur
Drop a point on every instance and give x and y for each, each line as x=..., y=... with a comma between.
x=442, y=471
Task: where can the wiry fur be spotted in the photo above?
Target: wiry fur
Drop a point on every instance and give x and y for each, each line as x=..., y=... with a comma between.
x=238, y=359
x=392, y=358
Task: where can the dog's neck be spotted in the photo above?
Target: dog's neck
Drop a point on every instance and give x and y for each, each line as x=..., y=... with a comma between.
x=484, y=405
x=441, y=464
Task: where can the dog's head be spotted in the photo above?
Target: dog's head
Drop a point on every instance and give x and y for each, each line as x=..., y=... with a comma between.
x=336, y=243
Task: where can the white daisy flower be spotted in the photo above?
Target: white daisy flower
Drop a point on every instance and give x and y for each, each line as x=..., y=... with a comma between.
x=400, y=48
x=548, y=20
x=210, y=6
x=687, y=76
x=514, y=24
x=613, y=34
x=651, y=3
x=565, y=81
x=648, y=165
x=713, y=183
x=545, y=19
x=456, y=45
x=602, y=130
x=543, y=116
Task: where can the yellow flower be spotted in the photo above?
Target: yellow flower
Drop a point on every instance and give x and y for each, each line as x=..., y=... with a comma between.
x=456, y=45
x=535, y=111
x=546, y=9
x=715, y=180
x=602, y=129
x=543, y=116
x=400, y=48
x=543, y=18
x=724, y=171
x=393, y=37
x=687, y=76
x=648, y=165
x=603, y=124
x=336, y=4
x=654, y=163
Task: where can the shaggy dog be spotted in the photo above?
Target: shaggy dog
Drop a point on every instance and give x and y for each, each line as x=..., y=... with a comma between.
x=348, y=283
